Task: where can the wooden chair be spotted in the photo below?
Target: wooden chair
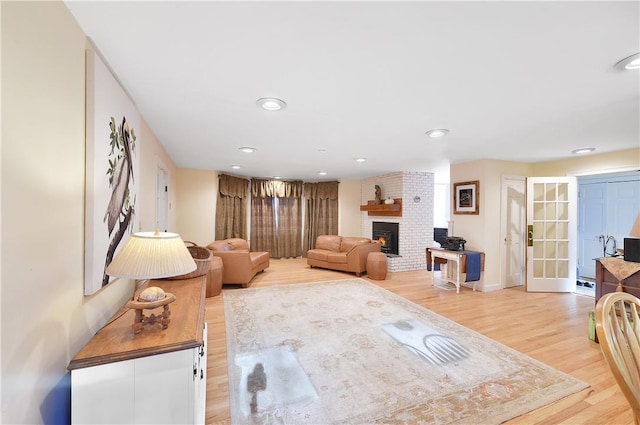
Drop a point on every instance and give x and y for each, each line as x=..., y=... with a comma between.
x=618, y=329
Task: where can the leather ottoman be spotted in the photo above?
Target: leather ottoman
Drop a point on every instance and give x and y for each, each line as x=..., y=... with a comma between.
x=377, y=266
x=214, y=277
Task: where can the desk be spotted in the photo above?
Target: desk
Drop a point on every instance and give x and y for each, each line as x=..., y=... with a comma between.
x=441, y=256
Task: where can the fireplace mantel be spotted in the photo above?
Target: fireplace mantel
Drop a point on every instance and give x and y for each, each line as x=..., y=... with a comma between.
x=387, y=210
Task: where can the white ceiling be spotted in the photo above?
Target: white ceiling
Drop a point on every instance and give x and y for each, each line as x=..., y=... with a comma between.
x=520, y=81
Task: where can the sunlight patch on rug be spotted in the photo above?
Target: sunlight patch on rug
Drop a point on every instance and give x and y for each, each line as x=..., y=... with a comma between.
x=348, y=351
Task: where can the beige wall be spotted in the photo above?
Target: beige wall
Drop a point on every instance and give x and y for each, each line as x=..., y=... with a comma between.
x=611, y=162
x=196, y=214
x=45, y=317
x=482, y=231
x=153, y=156
x=197, y=195
x=349, y=207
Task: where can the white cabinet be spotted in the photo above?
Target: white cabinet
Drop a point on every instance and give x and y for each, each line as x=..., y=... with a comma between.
x=148, y=378
x=164, y=388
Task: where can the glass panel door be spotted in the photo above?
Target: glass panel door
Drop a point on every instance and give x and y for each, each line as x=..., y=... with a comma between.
x=551, y=219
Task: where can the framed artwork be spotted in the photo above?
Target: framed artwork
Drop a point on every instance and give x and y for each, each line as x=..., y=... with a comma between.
x=112, y=168
x=465, y=197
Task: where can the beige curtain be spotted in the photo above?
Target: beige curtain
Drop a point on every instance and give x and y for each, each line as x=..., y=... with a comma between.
x=231, y=207
x=277, y=231
x=263, y=218
x=289, y=219
x=321, y=212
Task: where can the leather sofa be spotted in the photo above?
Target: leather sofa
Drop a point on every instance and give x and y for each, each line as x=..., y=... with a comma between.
x=239, y=265
x=343, y=253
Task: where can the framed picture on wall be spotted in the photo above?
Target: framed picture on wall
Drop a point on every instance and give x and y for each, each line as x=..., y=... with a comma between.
x=465, y=197
x=112, y=171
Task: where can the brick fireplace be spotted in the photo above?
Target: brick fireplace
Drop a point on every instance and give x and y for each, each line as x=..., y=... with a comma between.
x=415, y=226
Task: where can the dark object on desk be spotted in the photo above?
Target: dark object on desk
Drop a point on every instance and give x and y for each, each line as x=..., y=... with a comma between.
x=440, y=234
x=632, y=249
x=454, y=243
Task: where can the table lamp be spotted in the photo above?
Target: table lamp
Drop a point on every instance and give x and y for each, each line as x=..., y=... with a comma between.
x=151, y=255
x=635, y=229
x=632, y=244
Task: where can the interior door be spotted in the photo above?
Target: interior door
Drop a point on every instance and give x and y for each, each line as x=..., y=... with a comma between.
x=592, y=227
x=513, y=230
x=162, y=200
x=622, y=209
x=551, y=234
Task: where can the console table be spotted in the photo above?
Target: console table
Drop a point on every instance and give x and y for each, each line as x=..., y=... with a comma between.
x=613, y=274
x=459, y=258
x=155, y=376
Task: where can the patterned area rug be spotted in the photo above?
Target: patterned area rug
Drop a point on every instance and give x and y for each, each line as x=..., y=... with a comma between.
x=348, y=351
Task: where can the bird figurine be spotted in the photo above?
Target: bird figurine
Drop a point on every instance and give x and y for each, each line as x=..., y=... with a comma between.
x=378, y=195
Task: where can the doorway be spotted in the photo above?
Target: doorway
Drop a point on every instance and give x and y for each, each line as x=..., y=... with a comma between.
x=587, y=250
x=551, y=234
x=162, y=199
x=513, y=231
x=608, y=205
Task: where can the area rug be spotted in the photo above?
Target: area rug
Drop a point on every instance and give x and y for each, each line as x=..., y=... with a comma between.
x=348, y=351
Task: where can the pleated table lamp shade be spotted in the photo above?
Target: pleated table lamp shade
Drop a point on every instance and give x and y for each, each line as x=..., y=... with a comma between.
x=152, y=255
x=635, y=229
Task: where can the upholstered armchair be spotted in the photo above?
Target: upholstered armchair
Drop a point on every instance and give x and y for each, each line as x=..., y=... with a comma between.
x=239, y=265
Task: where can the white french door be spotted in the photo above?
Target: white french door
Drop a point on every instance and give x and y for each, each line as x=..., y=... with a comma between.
x=551, y=234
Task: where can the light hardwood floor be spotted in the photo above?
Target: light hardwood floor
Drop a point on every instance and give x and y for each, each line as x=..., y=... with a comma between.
x=551, y=328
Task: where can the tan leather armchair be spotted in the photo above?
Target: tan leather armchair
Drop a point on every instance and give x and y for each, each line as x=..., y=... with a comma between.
x=239, y=264
x=348, y=254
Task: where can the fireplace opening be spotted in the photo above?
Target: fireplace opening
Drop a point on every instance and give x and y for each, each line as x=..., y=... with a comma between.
x=387, y=235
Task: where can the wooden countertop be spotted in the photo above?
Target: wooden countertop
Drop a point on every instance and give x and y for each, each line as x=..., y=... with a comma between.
x=116, y=341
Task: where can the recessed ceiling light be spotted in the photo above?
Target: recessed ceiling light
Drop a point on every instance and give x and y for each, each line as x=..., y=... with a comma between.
x=361, y=159
x=271, y=103
x=440, y=132
x=631, y=62
x=582, y=151
x=235, y=167
x=247, y=149
x=322, y=173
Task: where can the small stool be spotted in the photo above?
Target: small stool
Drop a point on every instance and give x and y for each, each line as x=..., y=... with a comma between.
x=214, y=277
x=377, y=265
